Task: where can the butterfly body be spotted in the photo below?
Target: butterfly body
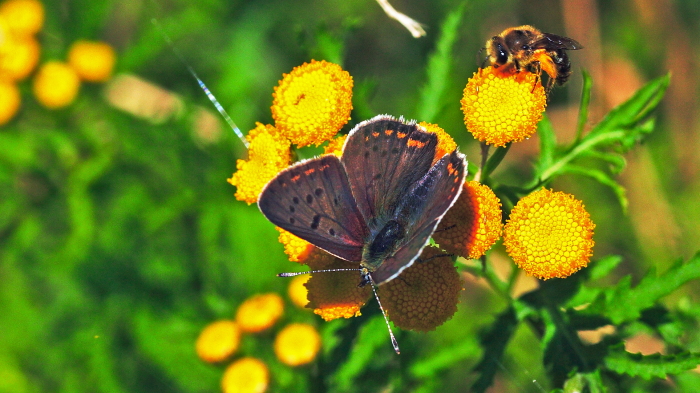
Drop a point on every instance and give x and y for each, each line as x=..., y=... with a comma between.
x=377, y=205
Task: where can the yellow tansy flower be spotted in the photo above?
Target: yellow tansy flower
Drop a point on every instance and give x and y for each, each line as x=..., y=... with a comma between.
x=473, y=223
x=549, y=234
x=335, y=295
x=297, y=344
x=445, y=144
x=246, y=375
x=297, y=290
x=268, y=154
x=259, y=312
x=9, y=100
x=297, y=248
x=425, y=295
x=92, y=60
x=501, y=108
x=56, y=85
x=312, y=102
x=18, y=56
x=218, y=341
x=23, y=17
x=335, y=146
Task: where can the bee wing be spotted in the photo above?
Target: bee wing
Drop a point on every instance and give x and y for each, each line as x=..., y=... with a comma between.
x=553, y=42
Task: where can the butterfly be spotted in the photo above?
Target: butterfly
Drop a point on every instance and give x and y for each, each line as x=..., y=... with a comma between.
x=376, y=205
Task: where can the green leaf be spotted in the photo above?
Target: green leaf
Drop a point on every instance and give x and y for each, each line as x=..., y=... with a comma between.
x=603, y=267
x=602, y=178
x=623, y=303
x=493, y=161
x=439, y=66
x=445, y=358
x=371, y=336
x=632, y=111
x=548, y=142
x=583, y=108
x=494, y=342
x=650, y=366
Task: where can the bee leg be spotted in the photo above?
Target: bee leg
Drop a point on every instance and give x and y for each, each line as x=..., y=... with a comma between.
x=538, y=74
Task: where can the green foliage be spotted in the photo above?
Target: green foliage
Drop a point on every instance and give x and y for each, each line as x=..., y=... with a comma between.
x=120, y=238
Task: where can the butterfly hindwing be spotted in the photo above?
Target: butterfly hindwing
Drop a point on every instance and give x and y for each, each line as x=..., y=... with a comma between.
x=383, y=158
x=421, y=209
x=313, y=201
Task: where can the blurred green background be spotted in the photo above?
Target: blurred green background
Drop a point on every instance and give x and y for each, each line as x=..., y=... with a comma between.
x=120, y=238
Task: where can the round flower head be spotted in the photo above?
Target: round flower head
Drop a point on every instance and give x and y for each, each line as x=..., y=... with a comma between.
x=425, y=295
x=18, y=56
x=473, y=223
x=297, y=344
x=297, y=248
x=9, y=100
x=24, y=17
x=259, y=312
x=56, y=85
x=268, y=154
x=312, y=102
x=334, y=295
x=549, y=234
x=92, y=60
x=246, y=375
x=445, y=144
x=335, y=146
x=501, y=108
x=218, y=341
x=297, y=290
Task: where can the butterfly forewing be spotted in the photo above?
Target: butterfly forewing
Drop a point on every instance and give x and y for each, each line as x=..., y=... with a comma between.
x=313, y=201
x=421, y=209
x=383, y=158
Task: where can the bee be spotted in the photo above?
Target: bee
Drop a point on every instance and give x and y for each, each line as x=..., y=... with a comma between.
x=526, y=48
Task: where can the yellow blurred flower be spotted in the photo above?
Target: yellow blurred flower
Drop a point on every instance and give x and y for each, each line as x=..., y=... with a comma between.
x=334, y=295
x=268, y=154
x=312, y=102
x=473, y=223
x=335, y=146
x=24, y=17
x=297, y=344
x=92, y=60
x=18, y=56
x=297, y=290
x=549, y=234
x=259, y=312
x=501, y=108
x=295, y=247
x=218, y=341
x=56, y=85
x=246, y=375
x=9, y=100
x=425, y=295
x=445, y=144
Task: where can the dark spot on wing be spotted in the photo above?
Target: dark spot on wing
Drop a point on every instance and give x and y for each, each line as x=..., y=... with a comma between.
x=315, y=222
x=309, y=199
x=318, y=192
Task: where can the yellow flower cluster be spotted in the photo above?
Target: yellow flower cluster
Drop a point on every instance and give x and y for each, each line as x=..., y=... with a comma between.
x=56, y=84
x=502, y=108
x=295, y=345
x=426, y=294
x=268, y=153
x=445, y=144
x=311, y=104
x=473, y=224
x=334, y=295
x=549, y=234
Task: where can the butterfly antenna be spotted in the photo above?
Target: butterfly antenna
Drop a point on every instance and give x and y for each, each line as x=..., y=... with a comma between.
x=394, y=343
x=204, y=87
x=293, y=274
